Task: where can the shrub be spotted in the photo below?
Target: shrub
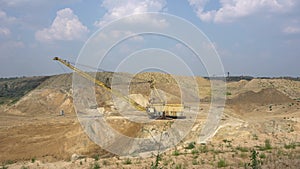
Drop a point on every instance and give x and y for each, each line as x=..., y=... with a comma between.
x=9, y=162
x=96, y=157
x=195, y=151
x=203, y=149
x=290, y=146
x=262, y=155
x=105, y=162
x=268, y=144
x=95, y=166
x=191, y=145
x=255, y=137
x=195, y=162
x=165, y=162
x=254, y=162
x=178, y=166
x=127, y=161
x=157, y=159
x=221, y=163
x=176, y=153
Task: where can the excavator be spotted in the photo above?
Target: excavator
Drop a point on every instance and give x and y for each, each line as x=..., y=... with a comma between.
x=155, y=109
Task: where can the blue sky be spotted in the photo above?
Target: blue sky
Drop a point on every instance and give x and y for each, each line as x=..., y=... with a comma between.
x=252, y=37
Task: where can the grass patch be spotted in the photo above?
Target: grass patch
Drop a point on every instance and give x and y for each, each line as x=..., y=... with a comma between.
x=203, y=149
x=290, y=146
x=191, y=145
x=255, y=137
x=243, y=149
x=127, y=161
x=195, y=162
x=176, y=153
x=95, y=157
x=221, y=163
x=95, y=166
x=267, y=146
x=105, y=162
x=9, y=162
x=178, y=166
x=262, y=156
x=195, y=152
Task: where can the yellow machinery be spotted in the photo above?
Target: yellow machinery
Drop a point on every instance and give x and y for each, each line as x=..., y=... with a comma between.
x=155, y=110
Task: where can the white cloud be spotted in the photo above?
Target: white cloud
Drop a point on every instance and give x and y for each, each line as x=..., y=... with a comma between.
x=6, y=21
x=116, y=34
x=119, y=8
x=4, y=18
x=34, y=3
x=15, y=2
x=231, y=10
x=291, y=30
x=66, y=26
x=4, y=31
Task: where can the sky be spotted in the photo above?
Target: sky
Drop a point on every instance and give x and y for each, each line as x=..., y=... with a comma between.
x=252, y=37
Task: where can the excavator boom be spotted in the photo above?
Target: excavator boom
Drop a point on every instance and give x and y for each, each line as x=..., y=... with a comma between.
x=98, y=82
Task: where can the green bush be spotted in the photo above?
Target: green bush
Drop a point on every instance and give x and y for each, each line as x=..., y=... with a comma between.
x=203, y=149
x=191, y=145
x=221, y=163
x=255, y=137
x=105, y=162
x=290, y=146
x=127, y=161
x=176, y=153
x=262, y=156
x=268, y=144
x=254, y=162
x=9, y=162
x=96, y=157
x=195, y=162
x=95, y=166
x=178, y=166
x=195, y=151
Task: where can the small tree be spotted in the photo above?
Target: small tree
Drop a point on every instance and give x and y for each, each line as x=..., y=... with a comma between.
x=255, y=163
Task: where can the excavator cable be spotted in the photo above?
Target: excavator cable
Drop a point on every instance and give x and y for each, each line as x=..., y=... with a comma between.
x=92, y=79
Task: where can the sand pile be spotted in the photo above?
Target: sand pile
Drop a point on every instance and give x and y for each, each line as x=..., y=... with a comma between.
x=263, y=97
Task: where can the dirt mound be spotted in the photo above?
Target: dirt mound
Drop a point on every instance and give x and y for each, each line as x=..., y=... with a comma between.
x=263, y=97
x=288, y=87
